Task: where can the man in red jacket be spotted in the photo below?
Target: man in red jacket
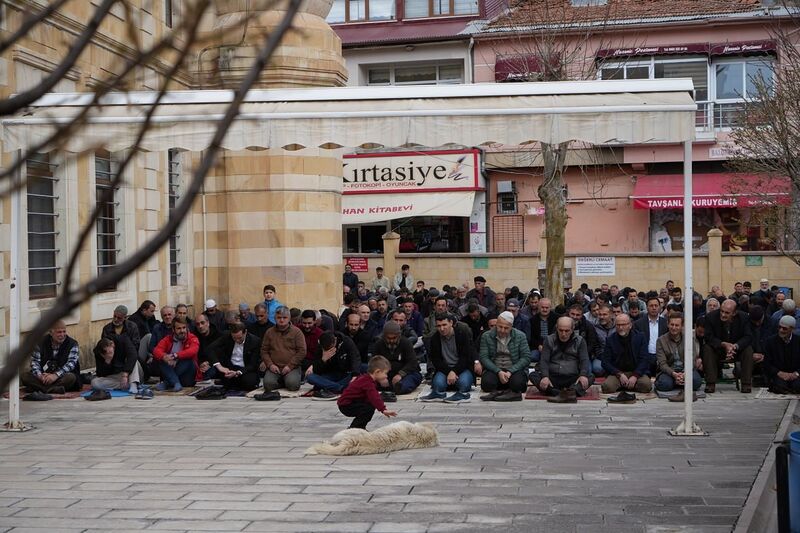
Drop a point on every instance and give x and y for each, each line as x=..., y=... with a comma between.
x=176, y=355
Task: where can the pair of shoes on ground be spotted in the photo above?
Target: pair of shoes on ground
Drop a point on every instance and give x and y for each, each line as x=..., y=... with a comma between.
x=324, y=395
x=144, y=393
x=162, y=386
x=456, y=397
x=213, y=392
x=388, y=397
x=268, y=396
x=564, y=396
x=623, y=398
x=502, y=396
x=37, y=396
x=98, y=395
x=680, y=397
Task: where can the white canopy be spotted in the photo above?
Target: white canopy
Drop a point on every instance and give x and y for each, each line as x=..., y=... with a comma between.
x=597, y=112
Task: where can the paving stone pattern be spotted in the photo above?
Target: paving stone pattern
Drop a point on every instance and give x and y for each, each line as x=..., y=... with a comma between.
x=178, y=464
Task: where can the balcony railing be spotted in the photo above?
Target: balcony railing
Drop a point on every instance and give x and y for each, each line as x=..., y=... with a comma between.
x=715, y=116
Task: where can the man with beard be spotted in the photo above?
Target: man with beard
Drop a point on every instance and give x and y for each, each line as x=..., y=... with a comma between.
x=413, y=317
x=564, y=369
x=504, y=356
x=626, y=360
x=283, y=350
x=404, y=375
x=262, y=323
x=311, y=333
x=729, y=338
x=589, y=335
x=121, y=326
x=782, y=358
x=176, y=356
x=144, y=318
x=604, y=326
x=381, y=314
x=206, y=335
x=453, y=355
x=484, y=295
x=360, y=337
x=542, y=325
x=671, y=358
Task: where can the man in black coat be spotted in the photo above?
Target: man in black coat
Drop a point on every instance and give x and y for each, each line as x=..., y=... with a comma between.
x=782, y=358
x=236, y=356
x=454, y=357
x=335, y=363
x=728, y=338
x=144, y=318
x=120, y=325
x=116, y=365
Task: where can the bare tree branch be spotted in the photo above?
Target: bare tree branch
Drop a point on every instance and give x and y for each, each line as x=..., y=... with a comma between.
x=69, y=301
x=30, y=21
x=108, y=193
x=17, y=102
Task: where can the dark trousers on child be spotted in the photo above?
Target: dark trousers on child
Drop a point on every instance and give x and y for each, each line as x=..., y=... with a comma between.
x=361, y=412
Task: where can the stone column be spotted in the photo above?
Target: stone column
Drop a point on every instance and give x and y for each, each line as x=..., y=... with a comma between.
x=274, y=214
x=391, y=247
x=714, y=257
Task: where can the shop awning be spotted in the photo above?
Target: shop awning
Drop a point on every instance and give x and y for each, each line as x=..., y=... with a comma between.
x=708, y=191
x=364, y=208
x=597, y=112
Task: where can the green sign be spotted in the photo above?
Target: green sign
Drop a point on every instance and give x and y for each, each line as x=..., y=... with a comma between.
x=480, y=262
x=754, y=260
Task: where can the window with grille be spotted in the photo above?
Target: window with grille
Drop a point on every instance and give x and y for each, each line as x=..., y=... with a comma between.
x=42, y=227
x=507, y=203
x=174, y=184
x=108, y=222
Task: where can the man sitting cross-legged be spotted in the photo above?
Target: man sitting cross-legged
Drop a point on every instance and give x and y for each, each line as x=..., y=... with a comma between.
x=54, y=363
x=453, y=356
x=626, y=360
x=782, y=358
x=670, y=357
x=564, y=368
x=505, y=356
x=283, y=350
x=236, y=357
x=176, y=356
x=336, y=361
x=404, y=375
x=116, y=365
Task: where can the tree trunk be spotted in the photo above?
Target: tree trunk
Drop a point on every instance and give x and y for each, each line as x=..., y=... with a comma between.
x=554, y=198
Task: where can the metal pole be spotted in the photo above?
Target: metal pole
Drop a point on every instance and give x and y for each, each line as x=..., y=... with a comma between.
x=782, y=483
x=687, y=427
x=14, y=423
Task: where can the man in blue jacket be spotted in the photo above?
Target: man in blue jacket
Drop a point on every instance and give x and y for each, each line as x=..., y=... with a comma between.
x=626, y=360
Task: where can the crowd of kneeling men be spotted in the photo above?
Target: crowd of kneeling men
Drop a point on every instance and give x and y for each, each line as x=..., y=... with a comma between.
x=510, y=340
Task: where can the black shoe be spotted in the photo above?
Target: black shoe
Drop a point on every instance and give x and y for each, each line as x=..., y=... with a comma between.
x=388, y=397
x=324, y=394
x=271, y=396
x=623, y=398
x=492, y=396
x=213, y=392
x=99, y=395
x=57, y=390
x=509, y=396
x=37, y=396
x=565, y=396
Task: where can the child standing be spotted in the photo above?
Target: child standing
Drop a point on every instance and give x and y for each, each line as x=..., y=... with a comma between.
x=360, y=399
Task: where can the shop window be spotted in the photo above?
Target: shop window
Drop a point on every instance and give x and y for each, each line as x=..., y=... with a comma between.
x=361, y=10
x=742, y=230
x=506, y=198
x=108, y=223
x=417, y=74
x=43, y=251
x=438, y=8
x=432, y=234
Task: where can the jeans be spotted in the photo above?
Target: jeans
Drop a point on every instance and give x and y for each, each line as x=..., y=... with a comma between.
x=463, y=382
x=406, y=384
x=183, y=372
x=362, y=413
x=332, y=382
x=665, y=382
x=536, y=355
x=596, y=367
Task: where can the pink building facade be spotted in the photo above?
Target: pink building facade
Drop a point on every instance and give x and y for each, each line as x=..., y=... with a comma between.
x=625, y=199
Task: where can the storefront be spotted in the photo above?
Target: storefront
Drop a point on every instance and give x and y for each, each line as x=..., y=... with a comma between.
x=434, y=199
x=726, y=201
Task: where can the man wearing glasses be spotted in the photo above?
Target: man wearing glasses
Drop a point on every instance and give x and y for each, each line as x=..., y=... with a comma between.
x=782, y=358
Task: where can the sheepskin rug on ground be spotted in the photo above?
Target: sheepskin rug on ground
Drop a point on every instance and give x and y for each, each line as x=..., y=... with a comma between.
x=391, y=438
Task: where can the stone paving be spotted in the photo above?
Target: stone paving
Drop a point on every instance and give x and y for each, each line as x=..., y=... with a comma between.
x=178, y=464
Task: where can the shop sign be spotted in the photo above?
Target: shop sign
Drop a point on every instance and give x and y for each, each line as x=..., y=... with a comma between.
x=412, y=172
x=595, y=266
x=696, y=48
x=358, y=264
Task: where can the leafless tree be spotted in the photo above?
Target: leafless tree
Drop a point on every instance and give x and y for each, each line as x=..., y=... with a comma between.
x=767, y=143
x=177, y=45
x=554, y=41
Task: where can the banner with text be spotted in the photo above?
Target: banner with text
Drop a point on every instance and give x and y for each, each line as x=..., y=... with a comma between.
x=412, y=172
x=595, y=266
x=366, y=208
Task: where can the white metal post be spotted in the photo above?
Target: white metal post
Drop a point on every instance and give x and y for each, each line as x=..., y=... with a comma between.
x=14, y=423
x=687, y=427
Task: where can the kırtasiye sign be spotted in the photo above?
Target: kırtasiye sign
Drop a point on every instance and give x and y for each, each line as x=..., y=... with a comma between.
x=443, y=171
